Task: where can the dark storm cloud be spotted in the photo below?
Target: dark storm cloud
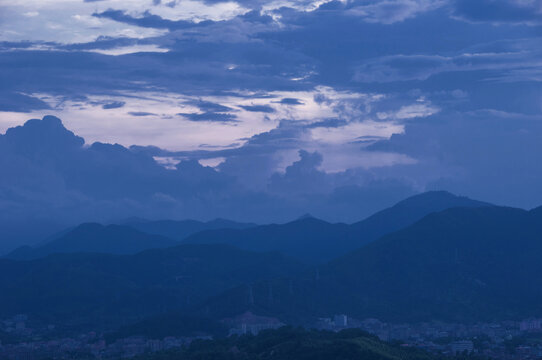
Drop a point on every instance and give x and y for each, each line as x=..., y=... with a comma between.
x=328, y=123
x=140, y=113
x=149, y=20
x=102, y=42
x=290, y=101
x=208, y=106
x=258, y=108
x=113, y=105
x=210, y=116
x=13, y=101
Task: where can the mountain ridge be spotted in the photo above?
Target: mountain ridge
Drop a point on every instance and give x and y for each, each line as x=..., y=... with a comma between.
x=97, y=238
x=317, y=241
x=457, y=265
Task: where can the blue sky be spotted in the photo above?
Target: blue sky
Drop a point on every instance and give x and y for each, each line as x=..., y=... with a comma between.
x=333, y=107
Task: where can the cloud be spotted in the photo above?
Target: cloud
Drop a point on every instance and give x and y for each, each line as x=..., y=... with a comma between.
x=302, y=177
x=208, y=106
x=421, y=109
x=210, y=116
x=13, y=101
x=54, y=168
x=63, y=22
x=113, y=105
x=392, y=11
x=258, y=108
x=132, y=49
x=500, y=11
x=148, y=20
x=501, y=58
x=213, y=121
x=290, y=101
x=140, y=113
x=484, y=154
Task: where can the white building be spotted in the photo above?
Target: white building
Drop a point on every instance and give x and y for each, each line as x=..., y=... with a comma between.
x=340, y=321
x=530, y=325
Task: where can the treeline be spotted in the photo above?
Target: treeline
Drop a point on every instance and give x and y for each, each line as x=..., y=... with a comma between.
x=290, y=343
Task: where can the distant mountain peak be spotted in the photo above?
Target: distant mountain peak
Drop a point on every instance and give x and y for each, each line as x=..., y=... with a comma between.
x=435, y=194
x=88, y=226
x=306, y=216
x=439, y=200
x=98, y=238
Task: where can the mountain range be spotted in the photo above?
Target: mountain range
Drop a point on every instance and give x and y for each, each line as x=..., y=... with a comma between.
x=315, y=241
x=306, y=239
x=434, y=256
x=180, y=229
x=94, y=238
x=127, y=237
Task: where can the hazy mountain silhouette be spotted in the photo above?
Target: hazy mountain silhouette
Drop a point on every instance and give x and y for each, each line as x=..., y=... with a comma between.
x=96, y=238
x=314, y=240
x=308, y=239
x=405, y=213
x=461, y=264
x=180, y=229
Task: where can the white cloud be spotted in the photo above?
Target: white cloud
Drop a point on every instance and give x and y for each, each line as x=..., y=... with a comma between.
x=196, y=10
x=421, y=67
x=71, y=21
x=123, y=50
x=152, y=118
x=391, y=11
x=213, y=162
x=415, y=111
x=62, y=21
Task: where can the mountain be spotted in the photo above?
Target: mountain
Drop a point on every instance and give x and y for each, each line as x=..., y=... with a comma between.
x=180, y=229
x=537, y=211
x=460, y=264
x=107, y=290
x=295, y=343
x=315, y=241
x=407, y=212
x=91, y=237
x=306, y=239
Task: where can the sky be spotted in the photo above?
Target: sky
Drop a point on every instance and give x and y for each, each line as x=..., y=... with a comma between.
x=263, y=110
